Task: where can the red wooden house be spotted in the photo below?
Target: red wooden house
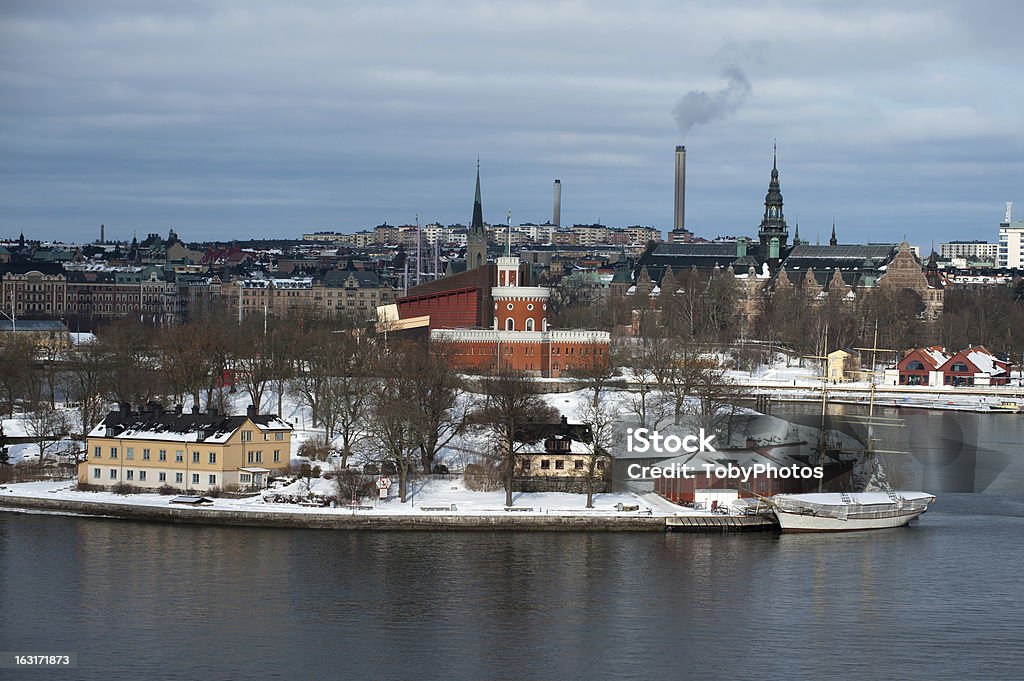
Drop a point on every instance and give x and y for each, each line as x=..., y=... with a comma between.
x=919, y=365
x=975, y=366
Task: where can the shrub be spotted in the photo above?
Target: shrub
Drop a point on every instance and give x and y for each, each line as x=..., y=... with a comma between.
x=167, y=490
x=480, y=478
x=125, y=489
x=315, y=448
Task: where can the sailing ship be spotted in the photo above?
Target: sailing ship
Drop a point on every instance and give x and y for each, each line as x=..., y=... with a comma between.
x=850, y=511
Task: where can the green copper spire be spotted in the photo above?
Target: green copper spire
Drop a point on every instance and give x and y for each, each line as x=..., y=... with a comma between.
x=476, y=243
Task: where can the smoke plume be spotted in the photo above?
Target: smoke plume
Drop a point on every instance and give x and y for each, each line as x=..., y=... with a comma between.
x=697, y=106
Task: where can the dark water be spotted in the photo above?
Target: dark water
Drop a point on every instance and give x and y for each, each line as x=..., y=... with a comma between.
x=941, y=599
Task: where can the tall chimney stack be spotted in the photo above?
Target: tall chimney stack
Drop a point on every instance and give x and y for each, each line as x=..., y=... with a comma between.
x=103, y=238
x=556, y=212
x=679, y=221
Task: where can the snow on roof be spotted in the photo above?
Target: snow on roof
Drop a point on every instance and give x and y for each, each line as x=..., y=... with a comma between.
x=173, y=427
x=936, y=355
x=985, y=361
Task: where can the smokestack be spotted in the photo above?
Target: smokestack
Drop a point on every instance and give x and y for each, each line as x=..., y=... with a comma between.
x=103, y=238
x=556, y=212
x=679, y=222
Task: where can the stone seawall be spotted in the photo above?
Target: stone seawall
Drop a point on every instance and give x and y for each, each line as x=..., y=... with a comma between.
x=339, y=520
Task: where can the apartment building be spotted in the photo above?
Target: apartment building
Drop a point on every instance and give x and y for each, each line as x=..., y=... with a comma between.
x=151, y=447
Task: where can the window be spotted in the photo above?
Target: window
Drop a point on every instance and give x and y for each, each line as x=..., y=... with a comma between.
x=960, y=367
x=245, y=477
x=525, y=463
x=279, y=436
x=130, y=475
x=213, y=457
x=195, y=457
x=246, y=436
x=545, y=464
x=529, y=324
x=162, y=455
x=142, y=476
x=510, y=325
x=213, y=479
x=97, y=452
x=195, y=478
x=259, y=457
x=578, y=464
x=915, y=366
x=179, y=456
x=178, y=477
x=113, y=452
x=600, y=465
x=96, y=472
x=145, y=455
x=560, y=465
x=130, y=453
x=162, y=477
x=252, y=457
x=277, y=456
x=113, y=474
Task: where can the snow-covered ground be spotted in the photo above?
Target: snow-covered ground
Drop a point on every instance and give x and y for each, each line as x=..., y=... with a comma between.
x=432, y=496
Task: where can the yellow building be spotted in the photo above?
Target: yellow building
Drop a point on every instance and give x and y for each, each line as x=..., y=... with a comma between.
x=151, y=447
x=842, y=366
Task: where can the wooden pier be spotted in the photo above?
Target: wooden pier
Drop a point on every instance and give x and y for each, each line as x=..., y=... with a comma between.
x=720, y=523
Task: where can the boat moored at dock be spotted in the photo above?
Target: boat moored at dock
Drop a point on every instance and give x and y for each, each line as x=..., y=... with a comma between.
x=848, y=511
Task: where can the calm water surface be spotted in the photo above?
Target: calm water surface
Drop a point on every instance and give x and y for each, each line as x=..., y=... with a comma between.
x=942, y=599
x=939, y=600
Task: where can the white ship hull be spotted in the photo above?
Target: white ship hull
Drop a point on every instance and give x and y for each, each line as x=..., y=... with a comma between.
x=848, y=512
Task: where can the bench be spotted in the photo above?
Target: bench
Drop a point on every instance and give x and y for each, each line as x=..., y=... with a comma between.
x=439, y=508
x=518, y=508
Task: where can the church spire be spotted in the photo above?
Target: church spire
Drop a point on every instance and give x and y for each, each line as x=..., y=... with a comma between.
x=476, y=241
x=773, y=223
x=833, y=241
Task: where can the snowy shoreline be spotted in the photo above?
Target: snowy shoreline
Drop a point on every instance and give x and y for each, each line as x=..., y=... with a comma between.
x=59, y=498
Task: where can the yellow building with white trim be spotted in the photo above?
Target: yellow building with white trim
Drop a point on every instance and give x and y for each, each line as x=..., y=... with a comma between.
x=151, y=448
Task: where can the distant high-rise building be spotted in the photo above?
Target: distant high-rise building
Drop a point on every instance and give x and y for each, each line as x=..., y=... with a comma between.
x=977, y=251
x=1011, y=241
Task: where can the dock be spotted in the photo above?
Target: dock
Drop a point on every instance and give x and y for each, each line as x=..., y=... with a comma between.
x=720, y=523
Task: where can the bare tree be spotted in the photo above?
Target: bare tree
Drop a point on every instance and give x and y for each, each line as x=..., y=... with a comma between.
x=17, y=355
x=253, y=359
x=596, y=370
x=130, y=361
x=393, y=424
x=441, y=414
x=601, y=420
x=183, y=360
x=86, y=382
x=46, y=424
x=716, y=397
x=510, y=403
x=347, y=392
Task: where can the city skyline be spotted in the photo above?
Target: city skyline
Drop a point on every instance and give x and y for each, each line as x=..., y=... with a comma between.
x=223, y=121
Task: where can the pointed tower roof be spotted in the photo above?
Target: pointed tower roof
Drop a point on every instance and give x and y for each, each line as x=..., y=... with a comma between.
x=477, y=224
x=773, y=223
x=833, y=241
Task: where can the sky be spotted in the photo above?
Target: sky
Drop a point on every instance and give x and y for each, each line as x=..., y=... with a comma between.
x=227, y=119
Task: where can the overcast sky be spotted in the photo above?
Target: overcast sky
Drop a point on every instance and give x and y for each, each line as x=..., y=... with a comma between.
x=257, y=119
